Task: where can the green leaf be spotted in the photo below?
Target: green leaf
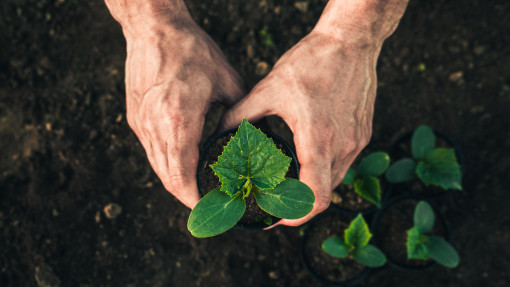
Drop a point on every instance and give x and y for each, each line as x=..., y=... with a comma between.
x=369, y=188
x=215, y=213
x=349, y=176
x=422, y=142
x=424, y=217
x=291, y=199
x=335, y=246
x=401, y=171
x=250, y=155
x=442, y=252
x=357, y=235
x=440, y=167
x=369, y=256
x=416, y=248
x=374, y=164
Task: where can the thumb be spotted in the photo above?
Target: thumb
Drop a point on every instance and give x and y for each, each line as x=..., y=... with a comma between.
x=253, y=107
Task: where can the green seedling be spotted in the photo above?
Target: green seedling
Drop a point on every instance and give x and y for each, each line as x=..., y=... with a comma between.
x=433, y=166
x=355, y=244
x=250, y=164
x=365, y=176
x=422, y=246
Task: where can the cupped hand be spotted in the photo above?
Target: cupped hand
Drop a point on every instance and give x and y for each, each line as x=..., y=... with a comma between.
x=324, y=89
x=174, y=71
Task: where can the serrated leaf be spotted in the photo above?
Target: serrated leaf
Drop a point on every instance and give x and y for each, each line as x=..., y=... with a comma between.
x=335, y=246
x=401, y=171
x=215, y=213
x=374, y=164
x=250, y=155
x=422, y=142
x=349, y=176
x=440, y=168
x=424, y=217
x=291, y=199
x=369, y=256
x=357, y=235
x=369, y=188
x=442, y=252
x=416, y=248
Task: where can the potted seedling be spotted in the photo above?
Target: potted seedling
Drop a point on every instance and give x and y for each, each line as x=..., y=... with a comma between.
x=420, y=245
x=435, y=167
x=250, y=165
x=354, y=243
x=335, y=249
x=360, y=190
x=391, y=227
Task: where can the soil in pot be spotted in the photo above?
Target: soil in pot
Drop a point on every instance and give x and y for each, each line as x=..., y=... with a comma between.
x=390, y=231
x=323, y=267
x=402, y=149
x=208, y=180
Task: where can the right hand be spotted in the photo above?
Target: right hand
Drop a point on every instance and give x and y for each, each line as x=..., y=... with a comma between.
x=174, y=71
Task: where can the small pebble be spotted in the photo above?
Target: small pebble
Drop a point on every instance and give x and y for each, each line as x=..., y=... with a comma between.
x=112, y=210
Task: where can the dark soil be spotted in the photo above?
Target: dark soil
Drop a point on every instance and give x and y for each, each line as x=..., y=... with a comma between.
x=326, y=267
x=253, y=216
x=391, y=228
x=66, y=151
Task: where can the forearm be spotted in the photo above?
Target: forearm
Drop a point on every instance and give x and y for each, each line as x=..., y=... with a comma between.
x=364, y=22
x=139, y=17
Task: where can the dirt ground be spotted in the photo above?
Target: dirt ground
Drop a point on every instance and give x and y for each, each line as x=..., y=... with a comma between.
x=66, y=151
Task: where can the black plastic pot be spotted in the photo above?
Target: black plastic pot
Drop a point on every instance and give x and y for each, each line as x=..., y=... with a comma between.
x=306, y=247
x=378, y=230
x=404, y=142
x=289, y=151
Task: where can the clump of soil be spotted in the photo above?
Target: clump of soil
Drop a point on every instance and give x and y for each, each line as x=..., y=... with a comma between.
x=391, y=232
x=324, y=266
x=208, y=180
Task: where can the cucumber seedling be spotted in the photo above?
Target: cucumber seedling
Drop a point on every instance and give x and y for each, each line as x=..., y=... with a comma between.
x=433, y=166
x=365, y=177
x=250, y=164
x=355, y=244
x=422, y=246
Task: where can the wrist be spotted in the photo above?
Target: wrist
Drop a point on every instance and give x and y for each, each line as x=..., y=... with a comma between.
x=365, y=23
x=146, y=18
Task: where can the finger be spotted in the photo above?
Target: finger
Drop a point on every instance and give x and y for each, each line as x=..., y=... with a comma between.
x=231, y=88
x=259, y=103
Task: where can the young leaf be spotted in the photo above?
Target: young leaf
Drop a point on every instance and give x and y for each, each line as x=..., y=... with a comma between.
x=291, y=199
x=442, y=252
x=422, y=142
x=349, y=176
x=369, y=256
x=416, y=249
x=250, y=155
x=215, y=213
x=369, y=188
x=401, y=171
x=424, y=217
x=440, y=168
x=374, y=164
x=335, y=246
x=357, y=235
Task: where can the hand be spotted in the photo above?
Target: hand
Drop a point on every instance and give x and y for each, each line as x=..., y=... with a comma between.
x=173, y=72
x=324, y=89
